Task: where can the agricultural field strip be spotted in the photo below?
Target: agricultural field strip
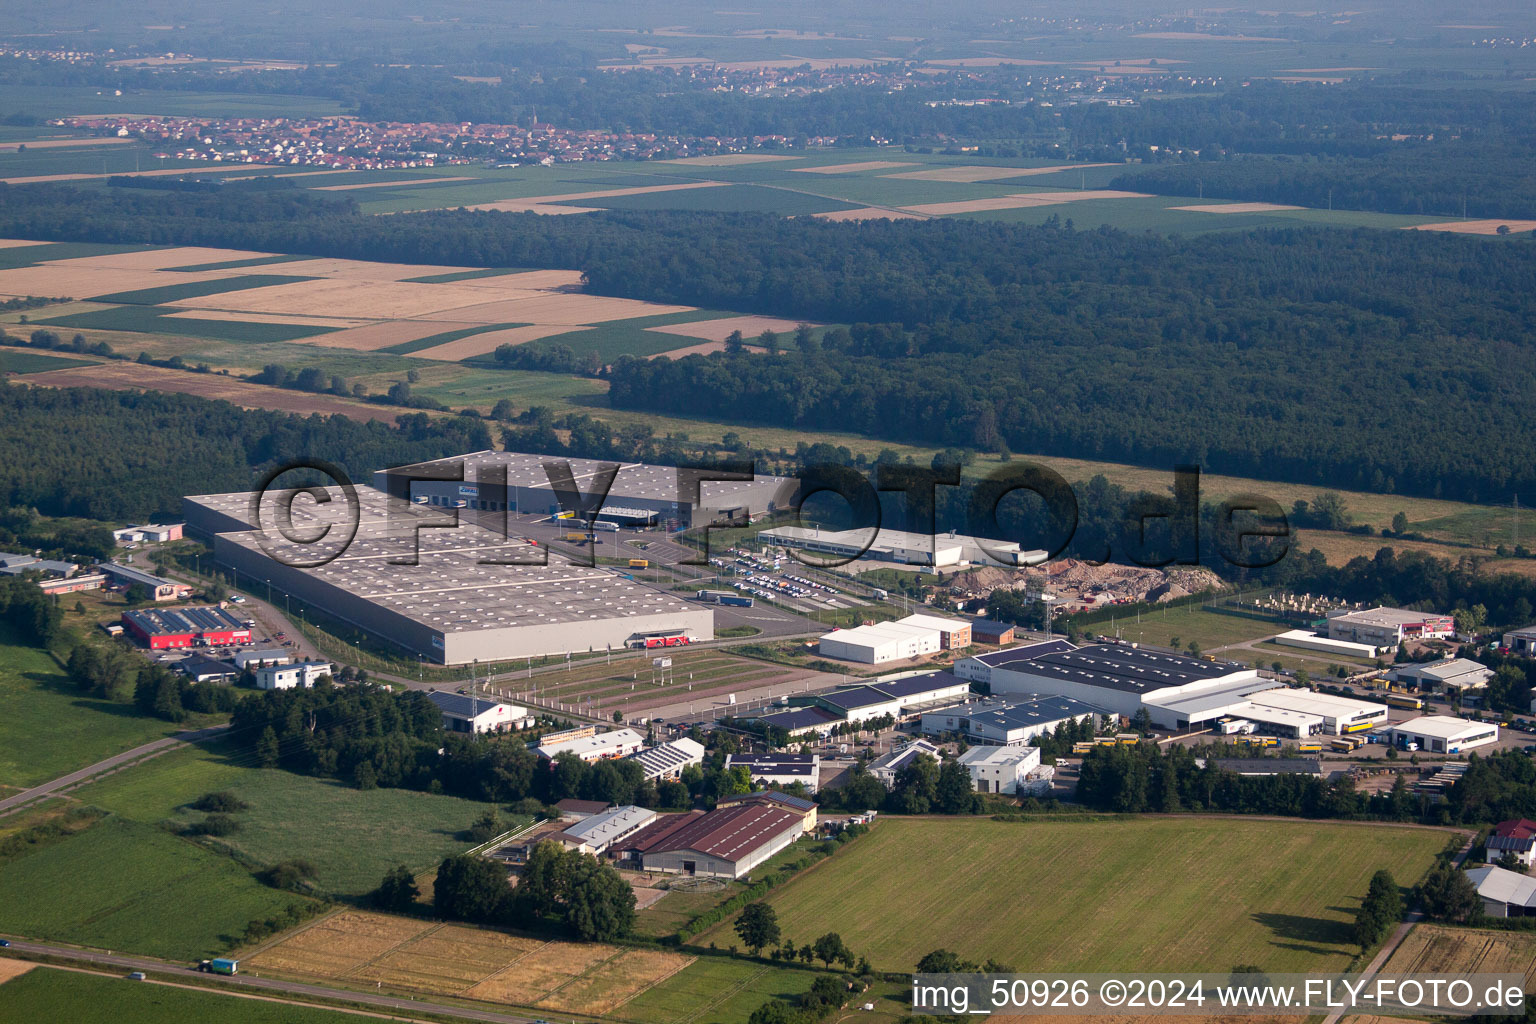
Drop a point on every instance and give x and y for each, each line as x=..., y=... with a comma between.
x=724, y=997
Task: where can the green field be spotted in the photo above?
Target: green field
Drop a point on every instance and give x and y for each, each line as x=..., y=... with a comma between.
x=715, y=991
x=126, y=885
x=13, y=361
x=407, y=347
x=70, y=100
x=157, y=320
x=1209, y=629
x=728, y=199
x=51, y=994
x=196, y=289
x=352, y=837
x=1135, y=894
x=49, y=728
x=30, y=255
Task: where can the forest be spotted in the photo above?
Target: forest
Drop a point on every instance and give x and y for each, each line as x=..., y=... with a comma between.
x=125, y=456
x=1277, y=354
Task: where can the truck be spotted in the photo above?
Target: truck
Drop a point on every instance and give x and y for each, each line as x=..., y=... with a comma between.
x=575, y=537
x=219, y=965
x=639, y=563
x=1397, y=700
x=737, y=601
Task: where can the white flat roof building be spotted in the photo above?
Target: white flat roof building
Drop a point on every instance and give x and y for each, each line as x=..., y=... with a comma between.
x=1272, y=721
x=1011, y=722
x=668, y=760
x=1310, y=641
x=1443, y=734
x=1340, y=715
x=595, y=834
x=1000, y=769
x=888, y=766
x=1461, y=675
x=882, y=642
x=287, y=677
x=903, y=547
x=1387, y=627
x=618, y=743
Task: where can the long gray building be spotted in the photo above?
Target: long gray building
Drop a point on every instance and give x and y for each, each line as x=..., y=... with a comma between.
x=492, y=481
x=460, y=602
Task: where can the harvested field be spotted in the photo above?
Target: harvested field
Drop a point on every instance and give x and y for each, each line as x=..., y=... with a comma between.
x=557, y=308
x=1236, y=207
x=391, y=184
x=160, y=259
x=111, y=140
x=974, y=174
x=13, y=968
x=1432, y=948
x=614, y=983
x=372, y=300
x=19, y=243
x=482, y=344
x=729, y=159
x=165, y=172
x=703, y=348
x=719, y=330
x=542, y=280
x=61, y=279
x=537, y=203
x=267, y=318
x=382, y=335
x=360, y=270
x=854, y=168
x=123, y=375
x=867, y=213
x=1476, y=227
x=541, y=972
x=340, y=943
x=1020, y=201
x=447, y=960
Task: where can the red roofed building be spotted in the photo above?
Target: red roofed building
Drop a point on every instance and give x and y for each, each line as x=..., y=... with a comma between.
x=728, y=842
x=1515, y=837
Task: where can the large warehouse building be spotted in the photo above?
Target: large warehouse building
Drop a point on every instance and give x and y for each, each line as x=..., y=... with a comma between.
x=185, y=627
x=1387, y=627
x=910, y=637
x=640, y=493
x=470, y=596
x=902, y=547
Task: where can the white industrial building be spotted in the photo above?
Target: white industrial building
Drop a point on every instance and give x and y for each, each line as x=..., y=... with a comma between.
x=287, y=677
x=268, y=656
x=1310, y=641
x=595, y=746
x=1011, y=722
x=668, y=760
x=1504, y=893
x=1388, y=627
x=1453, y=675
x=903, y=547
x=595, y=834
x=1442, y=734
x=1340, y=715
x=1003, y=770
x=880, y=643
x=474, y=714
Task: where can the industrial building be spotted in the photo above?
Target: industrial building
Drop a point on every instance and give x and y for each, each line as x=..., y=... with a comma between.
x=989, y=631
x=1309, y=641
x=597, y=833
x=888, y=767
x=287, y=677
x=1504, y=893
x=1004, y=770
x=151, y=533
x=1011, y=722
x=515, y=482
x=1520, y=641
x=159, y=589
x=265, y=656
x=806, y=809
x=900, y=546
x=474, y=714
x=1340, y=715
x=450, y=594
x=1442, y=734
x=1119, y=678
x=667, y=761
x=910, y=637
x=1461, y=676
x=780, y=769
x=727, y=842
x=202, y=669
x=1387, y=627
x=811, y=721
x=902, y=697
x=591, y=746
x=185, y=627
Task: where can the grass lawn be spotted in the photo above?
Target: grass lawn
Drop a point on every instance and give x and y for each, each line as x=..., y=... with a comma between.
x=48, y=993
x=126, y=885
x=351, y=836
x=49, y=728
x=1190, y=622
x=715, y=990
x=1135, y=894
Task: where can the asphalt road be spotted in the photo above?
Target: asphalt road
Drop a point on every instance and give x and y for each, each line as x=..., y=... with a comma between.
x=253, y=983
x=150, y=749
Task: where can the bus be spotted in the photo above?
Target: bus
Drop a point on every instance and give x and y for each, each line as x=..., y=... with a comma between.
x=1398, y=700
x=1083, y=746
x=1127, y=739
x=639, y=563
x=663, y=638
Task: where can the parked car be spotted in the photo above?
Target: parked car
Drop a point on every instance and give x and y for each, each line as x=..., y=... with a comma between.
x=136, y=976
x=5, y=943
